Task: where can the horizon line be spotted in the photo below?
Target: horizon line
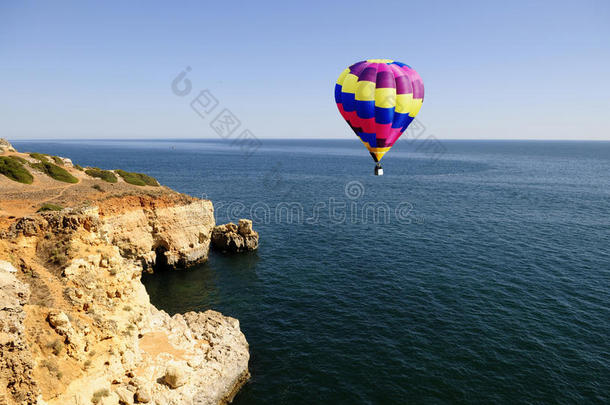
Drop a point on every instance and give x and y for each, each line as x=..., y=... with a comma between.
x=302, y=139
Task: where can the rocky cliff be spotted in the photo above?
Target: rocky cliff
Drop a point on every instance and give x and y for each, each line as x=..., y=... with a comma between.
x=76, y=323
x=177, y=234
x=5, y=146
x=231, y=238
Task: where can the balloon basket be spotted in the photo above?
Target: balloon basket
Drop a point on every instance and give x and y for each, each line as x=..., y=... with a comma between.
x=378, y=170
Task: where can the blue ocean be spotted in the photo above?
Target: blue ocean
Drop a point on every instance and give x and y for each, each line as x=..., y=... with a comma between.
x=471, y=272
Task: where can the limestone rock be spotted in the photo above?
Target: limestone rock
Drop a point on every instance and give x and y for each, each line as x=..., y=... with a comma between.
x=16, y=363
x=5, y=146
x=176, y=374
x=7, y=267
x=126, y=397
x=68, y=220
x=13, y=293
x=59, y=320
x=143, y=395
x=96, y=306
x=27, y=226
x=218, y=366
x=66, y=161
x=244, y=227
x=179, y=234
x=235, y=238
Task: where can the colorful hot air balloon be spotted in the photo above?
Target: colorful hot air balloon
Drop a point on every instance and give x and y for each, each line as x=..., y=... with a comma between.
x=379, y=98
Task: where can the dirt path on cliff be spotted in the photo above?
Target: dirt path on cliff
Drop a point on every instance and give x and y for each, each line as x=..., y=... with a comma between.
x=63, y=190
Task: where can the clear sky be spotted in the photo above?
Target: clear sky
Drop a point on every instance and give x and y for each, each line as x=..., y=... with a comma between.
x=510, y=69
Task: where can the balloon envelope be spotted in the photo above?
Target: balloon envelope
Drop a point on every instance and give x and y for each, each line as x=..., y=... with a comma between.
x=379, y=98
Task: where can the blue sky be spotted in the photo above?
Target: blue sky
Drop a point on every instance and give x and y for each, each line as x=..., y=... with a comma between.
x=500, y=70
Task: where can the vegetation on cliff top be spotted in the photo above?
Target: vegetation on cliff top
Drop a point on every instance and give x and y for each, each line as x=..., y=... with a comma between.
x=105, y=175
x=57, y=160
x=14, y=167
x=55, y=172
x=138, y=179
x=18, y=158
x=14, y=170
x=50, y=207
x=39, y=156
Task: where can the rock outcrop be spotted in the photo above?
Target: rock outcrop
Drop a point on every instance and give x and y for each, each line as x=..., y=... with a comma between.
x=235, y=238
x=5, y=146
x=16, y=364
x=177, y=235
x=77, y=326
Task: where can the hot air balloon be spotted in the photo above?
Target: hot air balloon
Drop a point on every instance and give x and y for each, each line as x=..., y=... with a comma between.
x=379, y=98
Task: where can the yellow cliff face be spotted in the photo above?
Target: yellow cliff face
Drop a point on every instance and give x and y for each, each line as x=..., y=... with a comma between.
x=180, y=232
x=77, y=325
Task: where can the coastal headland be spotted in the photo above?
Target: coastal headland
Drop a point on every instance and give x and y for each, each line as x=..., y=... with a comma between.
x=76, y=323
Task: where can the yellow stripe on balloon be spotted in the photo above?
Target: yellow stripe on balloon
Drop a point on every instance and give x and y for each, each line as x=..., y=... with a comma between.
x=342, y=76
x=406, y=104
x=403, y=103
x=379, y=155
x=380, y=60
x=415, y=106
x=372, y=149
x=385, y=98
x=377, y=150
x=349, y=83
x=365, y=91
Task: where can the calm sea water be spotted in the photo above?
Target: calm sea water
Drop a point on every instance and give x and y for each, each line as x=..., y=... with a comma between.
x=484, y=276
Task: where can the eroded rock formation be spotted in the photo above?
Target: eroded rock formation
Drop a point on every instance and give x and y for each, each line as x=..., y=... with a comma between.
x=16, y=364
x=178, y=234
x=77, y=326
x=235, y=238
x=5, y=146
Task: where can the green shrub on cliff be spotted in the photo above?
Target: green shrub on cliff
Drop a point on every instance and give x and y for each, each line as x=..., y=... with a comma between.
x=79, y=167
x=14, y=170
x=105, y=175
x=57, y=160
x=50, y=207
x=138, y=179
x=18, y=159
x=39, y=156
x=55, y=172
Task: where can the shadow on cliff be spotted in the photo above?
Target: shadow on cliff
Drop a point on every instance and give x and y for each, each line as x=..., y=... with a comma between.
x=161, y=262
